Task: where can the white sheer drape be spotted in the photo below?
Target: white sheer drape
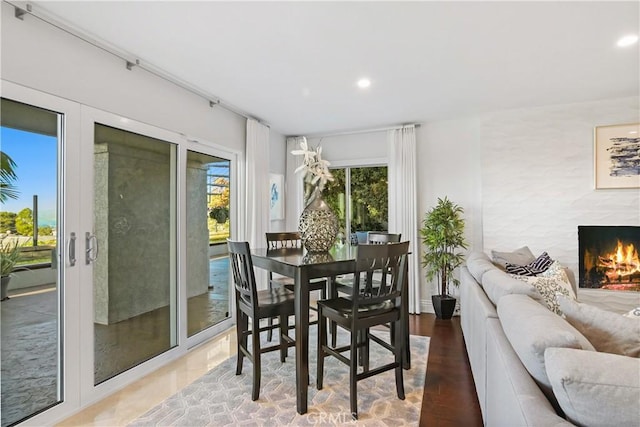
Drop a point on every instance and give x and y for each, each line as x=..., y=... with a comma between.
x=256, y=206
x=295, y=190
x=403, y=209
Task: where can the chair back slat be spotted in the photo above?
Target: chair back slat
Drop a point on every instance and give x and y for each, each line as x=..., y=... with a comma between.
x=387, y=262
x=243, y=274
x=283, y=240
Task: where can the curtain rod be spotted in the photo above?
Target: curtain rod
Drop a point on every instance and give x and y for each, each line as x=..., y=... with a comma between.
x=354, y=132
x=22, y=8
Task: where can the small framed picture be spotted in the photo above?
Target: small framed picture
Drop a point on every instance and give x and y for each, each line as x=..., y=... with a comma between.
x=276, y=196
x=617, y=156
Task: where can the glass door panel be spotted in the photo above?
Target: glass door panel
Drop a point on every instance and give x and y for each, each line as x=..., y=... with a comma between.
x=359, y=197
x=133, y=249
x=208, y=226
x=30, y=207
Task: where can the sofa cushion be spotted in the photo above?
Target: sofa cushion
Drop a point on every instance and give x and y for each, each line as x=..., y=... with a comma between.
x=607, y=331
x=479, y=263
x=521, y=256
x=535, y=267
x=532, y=328
x=595, y=389
x=497, y=283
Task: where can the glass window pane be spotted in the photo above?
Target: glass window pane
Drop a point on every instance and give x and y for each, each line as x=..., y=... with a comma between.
x=30, y=359
x=369, y=199
x=134, y=270
x=207, y=233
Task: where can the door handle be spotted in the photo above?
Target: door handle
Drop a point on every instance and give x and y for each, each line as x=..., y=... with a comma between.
x=72, y=249
x=91, y=248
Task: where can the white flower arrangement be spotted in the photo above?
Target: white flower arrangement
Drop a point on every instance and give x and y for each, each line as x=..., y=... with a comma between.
x=316, y=170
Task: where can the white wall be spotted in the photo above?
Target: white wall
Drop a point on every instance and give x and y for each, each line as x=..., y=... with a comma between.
x=523, y=177
x=538, y=177
x=40, y=56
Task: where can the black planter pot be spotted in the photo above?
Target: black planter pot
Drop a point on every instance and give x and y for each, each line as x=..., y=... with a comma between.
x=444, y=305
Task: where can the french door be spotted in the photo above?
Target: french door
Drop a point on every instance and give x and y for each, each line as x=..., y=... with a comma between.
x=129, y=228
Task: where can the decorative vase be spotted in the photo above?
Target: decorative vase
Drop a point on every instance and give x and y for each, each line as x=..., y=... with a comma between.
x=318, y=225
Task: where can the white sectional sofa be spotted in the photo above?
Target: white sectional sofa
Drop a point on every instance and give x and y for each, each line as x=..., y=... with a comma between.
x=523, y=357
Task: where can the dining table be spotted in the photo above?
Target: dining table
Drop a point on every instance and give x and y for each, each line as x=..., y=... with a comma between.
x=303, y=266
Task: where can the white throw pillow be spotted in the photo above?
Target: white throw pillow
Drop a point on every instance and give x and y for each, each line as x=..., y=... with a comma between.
x=607, y=331
x=634, y=313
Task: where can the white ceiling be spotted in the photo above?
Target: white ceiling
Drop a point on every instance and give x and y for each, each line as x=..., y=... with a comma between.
x=294, y=65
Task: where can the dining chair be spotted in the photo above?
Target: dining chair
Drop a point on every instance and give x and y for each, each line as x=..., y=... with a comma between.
x=369, y=305
x=344, y=283
x=286, y=240
x=255, y=305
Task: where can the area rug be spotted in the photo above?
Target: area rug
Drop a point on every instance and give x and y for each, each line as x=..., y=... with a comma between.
x=220, y=398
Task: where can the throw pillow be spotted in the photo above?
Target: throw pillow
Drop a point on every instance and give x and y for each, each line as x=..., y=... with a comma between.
x=535, y=267
x=520, y=256
x=634, y=313
x=558, y=272
x=595, y=389
x=607, y=331
x=548, y=288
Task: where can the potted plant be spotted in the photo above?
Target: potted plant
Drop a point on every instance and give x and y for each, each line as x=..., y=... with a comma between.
x=443, y=235
x=10, y=255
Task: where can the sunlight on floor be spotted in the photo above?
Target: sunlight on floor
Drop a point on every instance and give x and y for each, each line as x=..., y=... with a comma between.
x=126, y=405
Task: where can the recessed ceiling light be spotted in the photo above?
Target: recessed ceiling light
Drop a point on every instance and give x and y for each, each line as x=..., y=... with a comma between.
x=627, y=40
x=364, y=83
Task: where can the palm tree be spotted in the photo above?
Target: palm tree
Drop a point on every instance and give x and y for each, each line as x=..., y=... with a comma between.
x=7, y=178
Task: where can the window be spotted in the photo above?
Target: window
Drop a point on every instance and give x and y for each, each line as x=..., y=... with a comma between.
x=359, y=197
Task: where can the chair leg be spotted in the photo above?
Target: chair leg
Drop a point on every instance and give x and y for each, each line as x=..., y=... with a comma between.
x=322, y=341
x=241, y=338
x=333, y=293
x=365, y=350
x=398, y=353
x=257, y=372
x=284, y=345
x=353, y=372
x=270, y=319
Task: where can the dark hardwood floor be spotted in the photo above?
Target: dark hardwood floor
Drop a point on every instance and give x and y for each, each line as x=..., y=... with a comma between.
x=449, y=395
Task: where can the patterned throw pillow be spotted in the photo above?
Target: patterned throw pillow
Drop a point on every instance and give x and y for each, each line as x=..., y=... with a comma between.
x=535, y=267
x=548, y=287
x=634, y=313
x=558, y=272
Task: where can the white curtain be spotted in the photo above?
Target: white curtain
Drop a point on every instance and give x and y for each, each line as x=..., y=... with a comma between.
x=295, y=191
x=256, y=198
x=403, y=202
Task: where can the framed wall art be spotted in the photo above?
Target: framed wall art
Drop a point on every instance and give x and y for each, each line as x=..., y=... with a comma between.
x=276, y=196
x=617, y=156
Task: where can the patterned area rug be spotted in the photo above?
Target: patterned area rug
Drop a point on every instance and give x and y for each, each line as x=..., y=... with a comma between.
x=220, y=398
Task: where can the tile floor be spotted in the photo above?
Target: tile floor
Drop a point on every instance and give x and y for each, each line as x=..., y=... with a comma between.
x=126, y=405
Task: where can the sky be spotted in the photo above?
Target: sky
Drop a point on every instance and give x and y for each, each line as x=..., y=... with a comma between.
x=36, y=158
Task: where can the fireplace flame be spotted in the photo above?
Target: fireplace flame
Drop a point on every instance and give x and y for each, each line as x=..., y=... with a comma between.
x=620, y=264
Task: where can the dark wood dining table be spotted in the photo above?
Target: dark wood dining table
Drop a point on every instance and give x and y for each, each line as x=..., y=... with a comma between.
x=302, y=267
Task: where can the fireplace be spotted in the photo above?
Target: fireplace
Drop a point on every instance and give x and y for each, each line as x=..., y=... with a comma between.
x=608, y=257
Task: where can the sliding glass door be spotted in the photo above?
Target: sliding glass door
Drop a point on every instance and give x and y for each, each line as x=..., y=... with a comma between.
x=208, y=228
x=359, y=196
x=132, y=249
x=37, y=272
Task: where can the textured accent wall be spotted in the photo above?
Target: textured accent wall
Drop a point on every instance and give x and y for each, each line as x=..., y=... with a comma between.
x=538, y=178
